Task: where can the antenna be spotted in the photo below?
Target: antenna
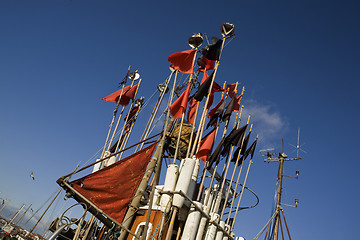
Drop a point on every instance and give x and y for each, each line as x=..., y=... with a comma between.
x=270, y=156
x=298, y=146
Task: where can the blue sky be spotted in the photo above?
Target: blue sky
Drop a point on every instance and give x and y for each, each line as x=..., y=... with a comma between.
x=298, y=60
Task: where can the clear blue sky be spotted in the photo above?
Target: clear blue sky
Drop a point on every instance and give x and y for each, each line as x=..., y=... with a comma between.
x=298, y=60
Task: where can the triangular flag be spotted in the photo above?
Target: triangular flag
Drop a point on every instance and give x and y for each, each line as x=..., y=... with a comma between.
x=215, y=113
x=229, y=109
x=237, y=103
x=212, y=51
x=206, y=145
x=191, y=111
x=179, y=106
x=183, y=61
x=215, y=156
x=234, y=138
x=127, y=93
x=230, y=88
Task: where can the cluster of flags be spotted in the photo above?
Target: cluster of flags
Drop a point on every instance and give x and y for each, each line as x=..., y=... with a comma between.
x=184, y=62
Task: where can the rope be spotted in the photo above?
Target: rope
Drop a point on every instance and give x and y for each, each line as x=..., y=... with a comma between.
x=262, y=230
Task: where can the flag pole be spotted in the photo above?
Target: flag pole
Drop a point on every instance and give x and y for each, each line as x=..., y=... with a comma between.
x=218, y=198
x=119, y=118
x=130, y=131
x=115, y=112
x=154, y=112
x=238, y=116
x=126, y=119
x=206, y=165
x=232, y=178
x=242, y=190
x=32, y=229
x=193, y=125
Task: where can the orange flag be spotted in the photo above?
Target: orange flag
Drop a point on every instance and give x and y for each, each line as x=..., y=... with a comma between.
x=206, y=145
x=183, y=61
x=179, y=106
x=237, y=103
x=192, y=110
x=127, y=93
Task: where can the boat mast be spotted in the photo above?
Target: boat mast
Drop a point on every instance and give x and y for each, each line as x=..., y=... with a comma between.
x=17, y=213
x=281, y=158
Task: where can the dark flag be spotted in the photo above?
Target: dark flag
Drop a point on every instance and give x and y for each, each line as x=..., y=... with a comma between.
x=215, y=113
x=245, y=143
x=215, y=156
x=183, y=61
x=234, y=138
x=203, y=89
x=229, y=109
x=127, y=93
x=249, y=151
x=212, y=51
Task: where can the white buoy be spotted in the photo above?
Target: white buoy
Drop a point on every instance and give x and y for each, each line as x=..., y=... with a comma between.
x=172, y=174
x=211, y=230
x=202, y=224
x=192, y=223
x=227, y=229
x=184, y=181
x=192, y=185
x=220, y=233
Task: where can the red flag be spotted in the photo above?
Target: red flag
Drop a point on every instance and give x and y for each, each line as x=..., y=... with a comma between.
x=237, y=103
x=179, y=106
x=127, y=93
x=205, y=76
x=183, y=61
x=231, y=89
x=112, y=188
x=205, y=63
x=192, y=110
x=206, y=145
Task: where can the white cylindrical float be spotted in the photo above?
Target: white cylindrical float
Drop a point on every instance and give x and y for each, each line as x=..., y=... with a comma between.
x=211, y=230
x=227, y=229
x=202, y=224
x=192, y=223
x=192, y=185
x=220, y=233
x=184, y=181
x=172, y=174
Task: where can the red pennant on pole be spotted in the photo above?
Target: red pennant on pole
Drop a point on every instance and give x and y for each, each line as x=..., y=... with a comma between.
x=231, y=89
x=183, y=61
x=192, y=110
x=237, y=103
x=205, y=146
x=127, y=93
x=179, y=106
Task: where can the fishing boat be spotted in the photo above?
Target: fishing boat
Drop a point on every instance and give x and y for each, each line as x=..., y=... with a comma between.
x=204, y=150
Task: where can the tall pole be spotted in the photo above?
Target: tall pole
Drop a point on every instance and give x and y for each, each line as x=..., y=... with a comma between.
x=17, y=213
x=278, y=199
x=4, y=205
x=31, y=230
x=23, y=214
